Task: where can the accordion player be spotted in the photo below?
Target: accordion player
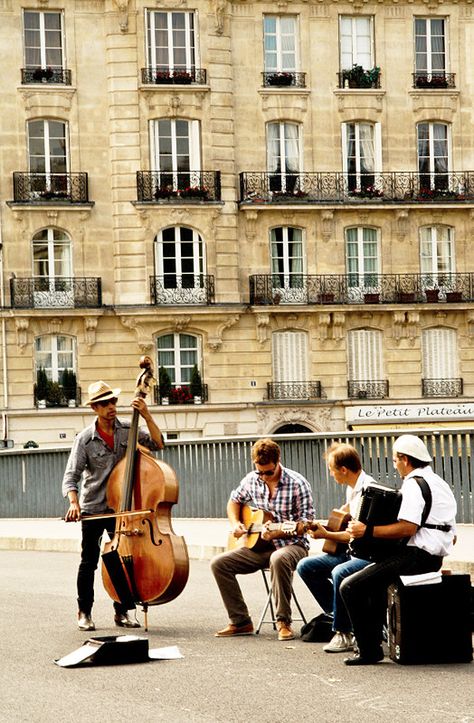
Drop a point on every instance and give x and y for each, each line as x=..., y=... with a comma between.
x=378, y=505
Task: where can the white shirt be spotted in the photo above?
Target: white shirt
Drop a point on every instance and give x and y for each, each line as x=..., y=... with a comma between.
x=443, y=511
x=353, y=493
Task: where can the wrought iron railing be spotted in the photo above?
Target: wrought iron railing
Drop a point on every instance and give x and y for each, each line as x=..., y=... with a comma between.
x=56, y=397
x=294, y=390
x=194, y=186
x=182, y=289
x=50, y=187
x=284, y=79
x=56, y=293
x=434, y=81
x=362, y=389
x=274, y=289
x=162, y=75
x=441, y=387
x=181, y=395
x=336, y=187
x=50, y=76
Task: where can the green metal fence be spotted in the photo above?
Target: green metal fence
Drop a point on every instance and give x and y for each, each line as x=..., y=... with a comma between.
x=207, y=469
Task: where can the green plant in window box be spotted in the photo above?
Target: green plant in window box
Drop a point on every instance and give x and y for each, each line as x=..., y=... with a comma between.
x=54, y=395
x=41, y=386
x=164, y=383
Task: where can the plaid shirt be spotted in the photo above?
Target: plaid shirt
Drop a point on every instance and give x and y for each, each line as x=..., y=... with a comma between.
x=293, y=500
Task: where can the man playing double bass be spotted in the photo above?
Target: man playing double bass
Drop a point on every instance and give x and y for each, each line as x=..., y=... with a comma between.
x=96, y=451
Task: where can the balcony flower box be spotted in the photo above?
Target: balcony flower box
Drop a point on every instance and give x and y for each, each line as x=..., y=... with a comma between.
x=368, y=192
x=170, y=77
x=433, y=81
x=357, y=77
x=454, y=296
x=406, y=297
x=432, y=295
x=42, y=74
x=165, y=193
x=371, y=298
x=280, y=79
x=326, y=298
x=180, y=395
x=195, y=192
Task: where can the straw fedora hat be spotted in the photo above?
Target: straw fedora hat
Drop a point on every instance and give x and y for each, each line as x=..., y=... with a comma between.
x=100, y=391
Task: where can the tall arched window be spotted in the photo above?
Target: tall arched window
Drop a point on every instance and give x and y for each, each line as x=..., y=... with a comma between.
x=440, y=363
x=365, y=364
x=55, y=354
x=180, y=266
x=178, y=354
x=288, y=263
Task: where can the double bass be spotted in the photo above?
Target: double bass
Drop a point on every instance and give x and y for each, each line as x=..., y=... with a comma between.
x=144, y=562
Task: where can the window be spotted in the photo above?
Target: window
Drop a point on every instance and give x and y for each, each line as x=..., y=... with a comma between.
x=180, y=266
x=288, y=263
x=433, y=156
x=48, y=156
x=52, y=268
x=365, y=361
x=283, y=156
x=175, y=153
x=430, y=45
x=439, y=354
x=356, y=42
x=362, y=261
x=55, y=354
x=436, y=250
x=290, y=356
x=280, y=45
x=43, y=39
x=178, y=353
x=361, y=155
x=171, y=43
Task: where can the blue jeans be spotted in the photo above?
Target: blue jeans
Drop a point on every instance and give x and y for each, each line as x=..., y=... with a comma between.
x=323, y=575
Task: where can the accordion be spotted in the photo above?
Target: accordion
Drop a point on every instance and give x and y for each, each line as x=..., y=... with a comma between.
x=378, y=505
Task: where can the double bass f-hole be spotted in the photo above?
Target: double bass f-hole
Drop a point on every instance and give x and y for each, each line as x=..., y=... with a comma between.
x=152, y=536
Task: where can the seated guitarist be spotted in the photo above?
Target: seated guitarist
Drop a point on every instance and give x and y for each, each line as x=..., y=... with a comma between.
x=324, y=573
x=287, y=496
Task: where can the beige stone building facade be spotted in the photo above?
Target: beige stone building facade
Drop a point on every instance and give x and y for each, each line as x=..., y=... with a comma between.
x=279, y=196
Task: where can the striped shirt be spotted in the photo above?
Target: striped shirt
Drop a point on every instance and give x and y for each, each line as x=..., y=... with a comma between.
x=292, y=501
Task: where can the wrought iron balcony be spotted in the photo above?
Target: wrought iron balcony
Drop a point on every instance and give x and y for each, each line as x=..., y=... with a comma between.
x=56, y=293
x=284, y=79
x=441, y=387
x=361, y=389
x=294, y=390
x=434, y=81
x=357, y=77
x=182, y=186
x=50, y=76
x=162, y=75
x=180, y=395
x=182, y=289
x=55, y=397
x=337, y=187
x=50, y=188
x=274, y=289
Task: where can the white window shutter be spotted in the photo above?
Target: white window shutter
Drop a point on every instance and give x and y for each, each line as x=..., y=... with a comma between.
x=290, y=358
x=365, y=355
x=440, y=359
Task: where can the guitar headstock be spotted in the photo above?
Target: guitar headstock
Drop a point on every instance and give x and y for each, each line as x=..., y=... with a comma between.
x=145, y=379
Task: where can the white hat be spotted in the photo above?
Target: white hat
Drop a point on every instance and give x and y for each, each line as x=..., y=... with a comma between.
x=100, y=391
x=413, y=446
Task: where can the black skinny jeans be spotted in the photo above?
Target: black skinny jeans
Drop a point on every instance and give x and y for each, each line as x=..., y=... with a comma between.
x=91, y=535
x=365, y=593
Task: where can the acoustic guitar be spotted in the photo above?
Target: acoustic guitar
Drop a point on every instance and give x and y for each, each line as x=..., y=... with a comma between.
x=337, y=522
x=254, y=521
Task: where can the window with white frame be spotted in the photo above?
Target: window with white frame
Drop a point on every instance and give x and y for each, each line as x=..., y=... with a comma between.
x=362, y=258
x=171, y=40
x=430, y=45
x=280, y=43
x=175, y=153
x=439, y=353
x=356, y=41
x=52, y=266
x=287, y=257
x=178, y=354
x=290, y=356
x=436, y=250
x=179, y=258
x=48, y=155
x=43, y=39
x=55, y=354
x=284, y=156
x=365, y=355
x=433, y=156
x=361, y=155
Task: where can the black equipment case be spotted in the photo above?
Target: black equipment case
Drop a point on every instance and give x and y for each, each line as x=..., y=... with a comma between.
x=430, y=623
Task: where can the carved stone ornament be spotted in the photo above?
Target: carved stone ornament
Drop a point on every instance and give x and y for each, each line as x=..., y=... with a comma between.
x=219, y=10
x=251, y=217
x=215, y=342
x=55, y=326
x=21, y=325
x=90, y=328
x=338, y=322
x=324, y=321
x=144, y=338
x=181, y=322
x=262, y=322
x=327, y=225
x=317, y=419
x=470, y=324
x=122, y=6
x=402, y=224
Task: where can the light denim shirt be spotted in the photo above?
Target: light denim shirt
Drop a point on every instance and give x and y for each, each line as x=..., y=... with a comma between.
x=93, y=461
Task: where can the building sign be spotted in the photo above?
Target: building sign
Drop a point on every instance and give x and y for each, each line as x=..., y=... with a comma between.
x=382, y=414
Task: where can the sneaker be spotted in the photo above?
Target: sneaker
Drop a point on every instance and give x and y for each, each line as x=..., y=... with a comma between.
x=340, y=643
x=232, y=630
x=84, y=621
x=126, y=620
x=284, y=630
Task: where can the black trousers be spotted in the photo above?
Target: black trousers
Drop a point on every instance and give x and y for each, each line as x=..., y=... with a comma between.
x=365, y=593
x=90, y=549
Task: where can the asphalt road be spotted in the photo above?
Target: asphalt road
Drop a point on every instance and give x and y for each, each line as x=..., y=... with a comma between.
x=251, y=679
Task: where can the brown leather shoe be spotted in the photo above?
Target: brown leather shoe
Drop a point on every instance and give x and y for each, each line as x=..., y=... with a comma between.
x=233, y=630
x=284, y=630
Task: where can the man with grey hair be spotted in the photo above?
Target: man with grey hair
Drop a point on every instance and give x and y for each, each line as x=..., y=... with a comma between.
x=429, y=532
